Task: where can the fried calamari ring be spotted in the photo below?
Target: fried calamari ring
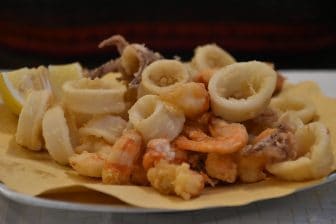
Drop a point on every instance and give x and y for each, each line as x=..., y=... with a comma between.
x=56, y=135
x=211, y=56
x=303, y=108
x=96, y=96
x=107, y=127
x=154, y=118
x=29, y=129
x=161, y=76
x=241, y=91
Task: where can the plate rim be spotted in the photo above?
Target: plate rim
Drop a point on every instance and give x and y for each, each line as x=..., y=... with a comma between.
x=75, y=206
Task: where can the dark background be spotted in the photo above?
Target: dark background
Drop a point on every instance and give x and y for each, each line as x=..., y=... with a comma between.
x=292, y=34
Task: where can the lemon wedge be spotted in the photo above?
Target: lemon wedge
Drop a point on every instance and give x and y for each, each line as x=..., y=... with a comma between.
x=16, y=85
x=59, y=74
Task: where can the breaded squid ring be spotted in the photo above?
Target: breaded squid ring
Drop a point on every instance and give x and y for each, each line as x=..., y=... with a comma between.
x=302, y=108
x=154, y=118
x=29, y=129
x=96, y=96
x=161, y=76
x=211, y=56
x=316, y=155
x=241, y=91
x=57, y=135
x=107, y=127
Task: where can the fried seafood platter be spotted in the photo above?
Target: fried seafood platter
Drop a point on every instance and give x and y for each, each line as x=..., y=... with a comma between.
x=143, y=127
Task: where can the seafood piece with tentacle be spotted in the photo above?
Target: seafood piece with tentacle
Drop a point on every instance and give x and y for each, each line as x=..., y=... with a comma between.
x=315, y=155
x=134, y=58
x=270, y=146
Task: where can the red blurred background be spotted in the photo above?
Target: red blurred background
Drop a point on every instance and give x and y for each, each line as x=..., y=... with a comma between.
x=292, y=34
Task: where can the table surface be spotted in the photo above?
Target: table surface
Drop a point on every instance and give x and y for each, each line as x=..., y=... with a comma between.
x=316, y=205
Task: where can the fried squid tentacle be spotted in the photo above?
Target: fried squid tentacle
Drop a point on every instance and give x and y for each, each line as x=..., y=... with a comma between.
x=116, y=40
x=134, y=58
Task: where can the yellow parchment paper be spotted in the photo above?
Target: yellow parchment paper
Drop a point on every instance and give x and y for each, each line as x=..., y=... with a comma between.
x=35, y=173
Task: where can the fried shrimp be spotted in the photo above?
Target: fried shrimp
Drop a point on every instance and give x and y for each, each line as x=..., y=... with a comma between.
x=120, y=162
x=191, y=97
x=139, y=175
x=226, y=138
x=160, y=148
x=251, y=168
x=88, y=163
x=176, y=179
x=222, y=167
x=204, y=76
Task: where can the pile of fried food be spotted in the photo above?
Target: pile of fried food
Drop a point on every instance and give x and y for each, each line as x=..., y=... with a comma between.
x=177, y=126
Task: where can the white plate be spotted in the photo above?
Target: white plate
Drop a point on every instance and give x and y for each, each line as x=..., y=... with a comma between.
x=325, y=78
